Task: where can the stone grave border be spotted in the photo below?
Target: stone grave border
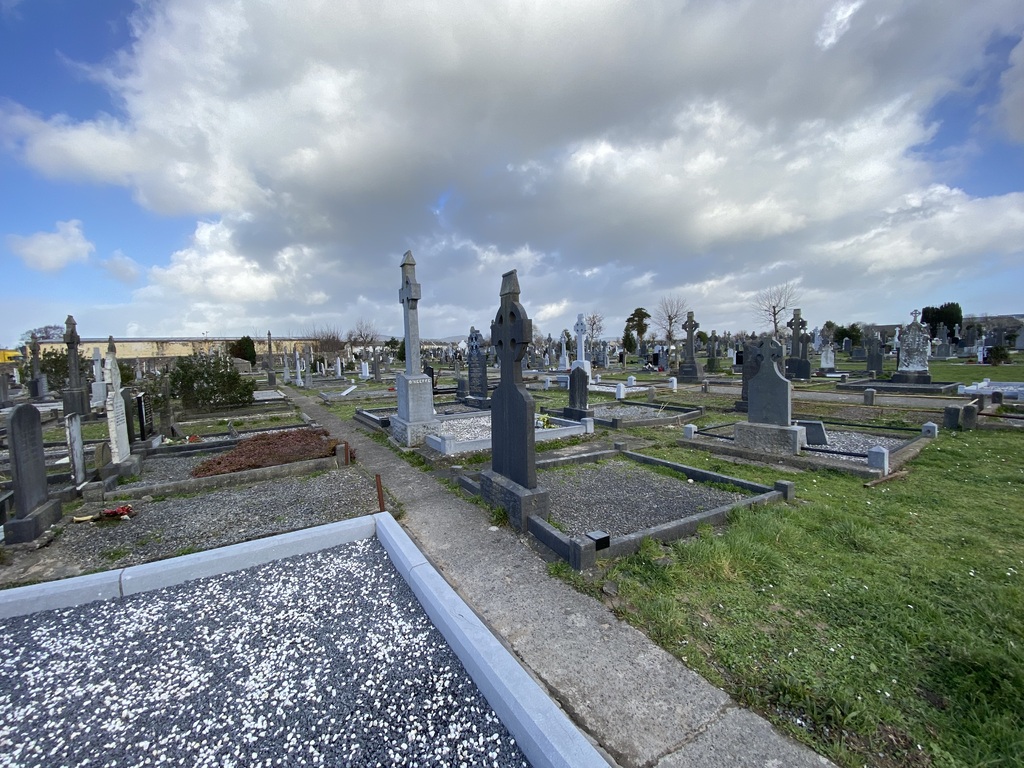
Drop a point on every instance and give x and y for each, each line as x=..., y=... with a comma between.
x=884, y=387
x=581, y=551
x=682, y=415
x=720, y=444
x=542, y=730
x=449, y=446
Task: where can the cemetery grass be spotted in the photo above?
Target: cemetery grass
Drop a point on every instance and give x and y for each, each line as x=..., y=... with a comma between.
x=880, y=625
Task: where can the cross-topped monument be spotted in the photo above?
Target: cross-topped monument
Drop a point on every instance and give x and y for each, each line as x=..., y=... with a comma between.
x=511, y=482
x=75, y=399
x=415, y=389
x=690, y=370
x=798, y=364
x=581, y=359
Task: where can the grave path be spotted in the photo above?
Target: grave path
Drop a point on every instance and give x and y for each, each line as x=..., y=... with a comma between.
x=640, y=704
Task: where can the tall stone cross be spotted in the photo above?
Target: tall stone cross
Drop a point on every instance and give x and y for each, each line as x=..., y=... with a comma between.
x=797, y=324
x=72, y=339
x=270, y=353
x=581, y=331
x=512, y=408
x=409, y=295
x=690, y=326
x=34, y=346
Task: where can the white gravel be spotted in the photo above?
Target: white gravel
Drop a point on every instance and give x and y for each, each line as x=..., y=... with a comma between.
x=323, y=659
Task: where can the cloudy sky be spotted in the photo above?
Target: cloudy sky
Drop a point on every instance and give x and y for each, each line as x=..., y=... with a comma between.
x=232, y=166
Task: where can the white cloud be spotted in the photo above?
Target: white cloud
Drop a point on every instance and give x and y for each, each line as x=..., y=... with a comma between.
x=52, y=251
x=1011, y=106
x=837, y=22
x=606, y=151
x=122, y=268
x=212, y=270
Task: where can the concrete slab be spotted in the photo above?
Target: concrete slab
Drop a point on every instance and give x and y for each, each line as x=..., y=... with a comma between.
x=59, y=594
x=740, y=737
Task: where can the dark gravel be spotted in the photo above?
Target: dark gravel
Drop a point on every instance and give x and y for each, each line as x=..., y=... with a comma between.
x=322, y=659
x=621, y=497
x=165, y=527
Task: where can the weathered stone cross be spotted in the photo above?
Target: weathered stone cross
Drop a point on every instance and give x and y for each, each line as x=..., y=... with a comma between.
x=409, y=295
x=690, y=326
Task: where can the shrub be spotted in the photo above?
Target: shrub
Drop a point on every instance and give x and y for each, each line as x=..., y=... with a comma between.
x=998, y=355
x=202, y=381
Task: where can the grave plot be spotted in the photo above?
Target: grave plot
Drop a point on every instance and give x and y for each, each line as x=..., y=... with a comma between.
x=380, y=418
x=624, y=415
x=604, y=504
x=471, y=432
x=260, y=668
x=828, y=446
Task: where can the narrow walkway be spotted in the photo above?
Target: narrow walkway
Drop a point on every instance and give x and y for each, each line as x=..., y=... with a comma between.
x=640, y=705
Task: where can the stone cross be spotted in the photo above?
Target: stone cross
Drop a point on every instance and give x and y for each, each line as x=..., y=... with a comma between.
x=511, y=482
x=581, y=331
x=409, y=295
x=690, y=326
x=72, y=339
x=798, y=325
x=34, y=346
x=512, y=409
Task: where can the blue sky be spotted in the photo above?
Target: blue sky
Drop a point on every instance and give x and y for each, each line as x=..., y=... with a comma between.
x=197, y=166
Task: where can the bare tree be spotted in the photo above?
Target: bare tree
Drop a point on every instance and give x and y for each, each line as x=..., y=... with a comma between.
x=770, y=305
x=328, y=339
x=669, y=316
x=595, y=326
x=364, y=335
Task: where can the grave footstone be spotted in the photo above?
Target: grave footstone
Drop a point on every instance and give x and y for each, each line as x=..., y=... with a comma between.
x=415, y=390
x=34, y=511
x=511, y=482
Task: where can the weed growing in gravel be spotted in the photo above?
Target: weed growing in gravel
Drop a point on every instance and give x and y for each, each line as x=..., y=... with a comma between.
x=127, y=479
x=189, y=550
x=115, y=554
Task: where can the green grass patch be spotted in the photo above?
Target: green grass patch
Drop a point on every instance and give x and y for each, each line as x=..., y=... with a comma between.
x=881, y=625
x=115, y=554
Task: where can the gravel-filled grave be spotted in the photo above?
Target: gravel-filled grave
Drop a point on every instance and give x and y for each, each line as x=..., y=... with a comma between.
x=622, y=497
x=320, y=659
x=175, y=525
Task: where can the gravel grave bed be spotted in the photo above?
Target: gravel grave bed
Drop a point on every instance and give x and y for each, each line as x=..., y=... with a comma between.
x=251, y=668
x=166, y=527
x=621, y=497
x=635, y=412
x=850, y=442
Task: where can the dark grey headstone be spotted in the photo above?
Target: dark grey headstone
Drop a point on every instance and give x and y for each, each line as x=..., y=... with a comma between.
x=768, y=392
x=578, y=396
x=5, y=397
x=129, y=410
x=28, y=460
